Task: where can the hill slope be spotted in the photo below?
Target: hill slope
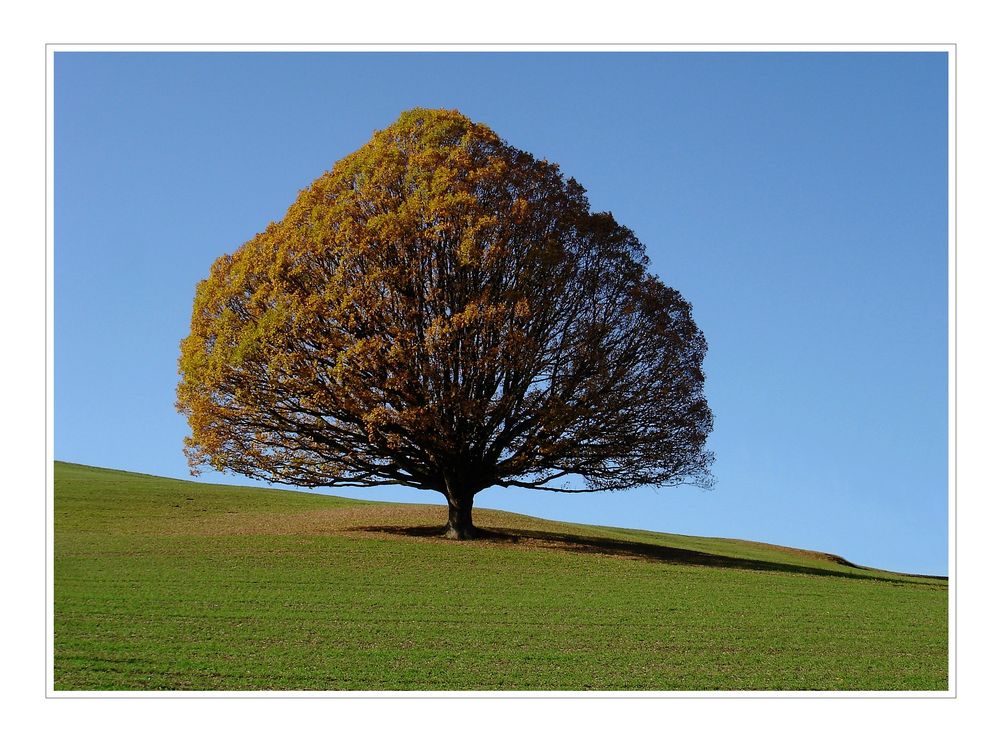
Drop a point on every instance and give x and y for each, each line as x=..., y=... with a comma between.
x=167, y=584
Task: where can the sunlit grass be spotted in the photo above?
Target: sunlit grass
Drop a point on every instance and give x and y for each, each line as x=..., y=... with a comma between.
x=171, y=585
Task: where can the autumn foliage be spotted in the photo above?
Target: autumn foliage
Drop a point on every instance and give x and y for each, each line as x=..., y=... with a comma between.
x=442, y=310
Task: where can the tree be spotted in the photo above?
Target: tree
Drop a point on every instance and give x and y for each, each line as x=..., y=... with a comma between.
x=442, y=310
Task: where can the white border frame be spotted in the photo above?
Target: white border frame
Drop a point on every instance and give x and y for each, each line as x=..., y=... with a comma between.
x=949, y=48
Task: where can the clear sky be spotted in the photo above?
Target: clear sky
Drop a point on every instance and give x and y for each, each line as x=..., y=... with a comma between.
x=798, y=200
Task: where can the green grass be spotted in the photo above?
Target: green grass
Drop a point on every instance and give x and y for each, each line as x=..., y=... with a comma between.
x=163, y=584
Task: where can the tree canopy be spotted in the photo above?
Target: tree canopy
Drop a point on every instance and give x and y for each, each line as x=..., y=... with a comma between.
x=443, y=311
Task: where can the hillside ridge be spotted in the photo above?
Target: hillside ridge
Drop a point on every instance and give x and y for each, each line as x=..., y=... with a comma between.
x=420, y=520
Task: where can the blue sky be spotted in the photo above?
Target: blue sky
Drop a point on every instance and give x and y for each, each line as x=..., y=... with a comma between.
x=798, y=200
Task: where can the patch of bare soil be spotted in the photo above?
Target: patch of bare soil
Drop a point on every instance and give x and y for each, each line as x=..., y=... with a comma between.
x=498, y=529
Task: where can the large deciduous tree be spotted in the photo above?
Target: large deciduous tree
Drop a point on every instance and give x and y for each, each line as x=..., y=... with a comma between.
x=443, y=311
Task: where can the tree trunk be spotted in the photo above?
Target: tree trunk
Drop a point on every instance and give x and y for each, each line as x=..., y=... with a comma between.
x=460, y=518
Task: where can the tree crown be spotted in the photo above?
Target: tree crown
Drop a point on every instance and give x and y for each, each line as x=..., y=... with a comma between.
x=442, y=310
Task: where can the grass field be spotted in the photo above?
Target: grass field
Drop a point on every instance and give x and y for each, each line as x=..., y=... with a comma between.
x=163, y=584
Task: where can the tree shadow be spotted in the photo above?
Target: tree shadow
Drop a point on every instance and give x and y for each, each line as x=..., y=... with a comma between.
x=437, y=532
x=653, y=552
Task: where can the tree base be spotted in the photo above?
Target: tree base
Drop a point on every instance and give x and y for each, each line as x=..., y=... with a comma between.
x=460, y=519
x=463, y=533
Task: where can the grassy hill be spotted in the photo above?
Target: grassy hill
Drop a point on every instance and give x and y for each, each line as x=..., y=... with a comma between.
x=171, y=585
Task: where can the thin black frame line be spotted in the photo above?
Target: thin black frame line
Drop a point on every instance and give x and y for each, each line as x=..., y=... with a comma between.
x=953, y=327
x=45, y=380
x=201, y=695
x=953, y=201
x=497, y=45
